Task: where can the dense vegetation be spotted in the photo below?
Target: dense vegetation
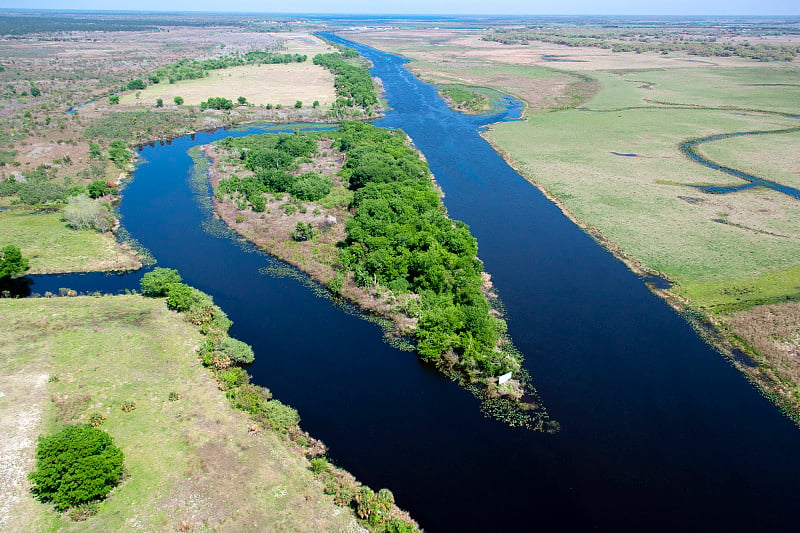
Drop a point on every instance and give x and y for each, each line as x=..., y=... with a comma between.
x=270, y=157
x=77, y=465
x=398, y=237
x=465, y=98
x=664, y=43
x=353, y=83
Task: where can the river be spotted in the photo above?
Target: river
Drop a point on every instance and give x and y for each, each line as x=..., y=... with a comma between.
x=658, y=430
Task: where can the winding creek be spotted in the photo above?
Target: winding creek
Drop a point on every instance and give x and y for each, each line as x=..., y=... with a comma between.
x=658, y=430
x=690, y=149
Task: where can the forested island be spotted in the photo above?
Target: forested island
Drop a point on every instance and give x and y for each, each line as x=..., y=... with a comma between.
x=357, y=208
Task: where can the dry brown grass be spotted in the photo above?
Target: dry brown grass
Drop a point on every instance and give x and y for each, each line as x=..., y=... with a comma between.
x=774, y=332
x=282, y=84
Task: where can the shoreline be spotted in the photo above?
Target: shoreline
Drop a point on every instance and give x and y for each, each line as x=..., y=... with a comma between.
x=719, y=336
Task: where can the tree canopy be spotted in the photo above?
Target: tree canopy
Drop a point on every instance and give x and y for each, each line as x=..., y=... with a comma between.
x=11, y=262
x=76, y=465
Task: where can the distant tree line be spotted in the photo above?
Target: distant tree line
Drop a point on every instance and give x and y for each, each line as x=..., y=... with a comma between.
x=354, y=85
x=696, y=47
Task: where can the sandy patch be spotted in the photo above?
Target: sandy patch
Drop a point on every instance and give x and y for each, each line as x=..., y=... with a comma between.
x=20, y=412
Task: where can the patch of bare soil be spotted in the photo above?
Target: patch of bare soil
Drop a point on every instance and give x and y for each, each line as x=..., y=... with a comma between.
x=21, y=409
x=318, y=257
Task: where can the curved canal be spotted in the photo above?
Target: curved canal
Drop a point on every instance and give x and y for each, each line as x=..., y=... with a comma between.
x=658, y=431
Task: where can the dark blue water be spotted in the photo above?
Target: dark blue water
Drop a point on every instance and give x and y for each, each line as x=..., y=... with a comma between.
x=658, y=431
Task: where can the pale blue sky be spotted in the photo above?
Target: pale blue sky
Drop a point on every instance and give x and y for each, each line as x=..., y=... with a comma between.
x=531, y=7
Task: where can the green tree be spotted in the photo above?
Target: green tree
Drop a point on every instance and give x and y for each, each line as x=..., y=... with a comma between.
x=94, y=150
x=158, y=281
x=113, y=99
x=35, y=91
x=303, y=231
x=178, y=100
x=98, y=188
x=315, y=104
x=78, y=464
x=159, y=102
x=298, y=104
x=242, y=100
x=134, y=85
x=11, y=262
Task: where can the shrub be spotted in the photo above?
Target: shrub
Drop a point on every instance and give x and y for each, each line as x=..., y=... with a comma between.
x=319, y=465
x=96, y=419
x=180, y=296
x=249, y=397
x=134, y=85
x=303, y=231
x=218, y=326
x=159, y=102
x=81, y=212
x=76, y=465
x=119, y=154
x=178, y=100
x=98, y=188
x=279, y=416
x=41, y=192
x=233, y=377
x=217, y=102
x=113, y=100
x=298, y=104
x=157, y=281
x=310, y=187
x=11, y=261
x=239, y=352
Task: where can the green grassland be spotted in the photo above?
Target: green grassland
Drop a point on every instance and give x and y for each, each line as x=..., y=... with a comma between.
x=190, y=463
x=639, y=203
x=53, y=247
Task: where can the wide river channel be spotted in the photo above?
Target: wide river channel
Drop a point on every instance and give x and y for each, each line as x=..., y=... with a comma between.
x=659, y=432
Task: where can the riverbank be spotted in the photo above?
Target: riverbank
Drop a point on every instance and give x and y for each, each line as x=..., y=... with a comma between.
x=192, y=461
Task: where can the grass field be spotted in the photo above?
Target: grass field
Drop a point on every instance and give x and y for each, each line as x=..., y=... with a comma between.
x=191, y=464
x=261, y=84
x=53, y=247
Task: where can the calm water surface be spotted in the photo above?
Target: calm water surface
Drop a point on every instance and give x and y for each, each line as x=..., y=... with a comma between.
x=658, y=431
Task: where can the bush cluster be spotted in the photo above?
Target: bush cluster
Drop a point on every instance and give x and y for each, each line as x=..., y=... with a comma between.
x=353, y=84
x=270, y=157
x=81, y=212
x=78, y=464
